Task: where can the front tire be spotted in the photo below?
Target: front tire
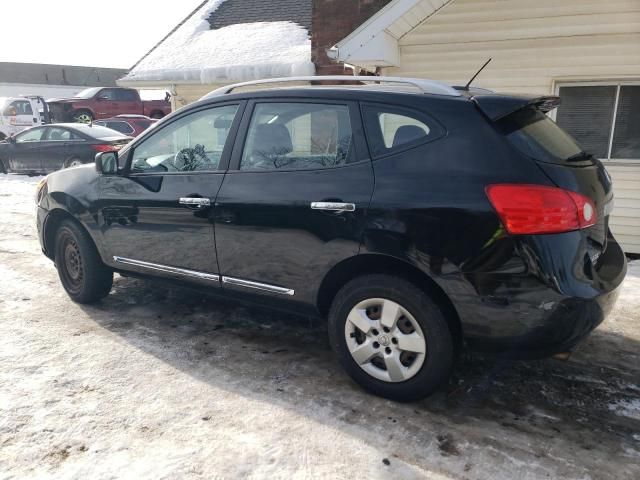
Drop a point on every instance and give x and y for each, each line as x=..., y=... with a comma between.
x=83, y=275
x=391, y=337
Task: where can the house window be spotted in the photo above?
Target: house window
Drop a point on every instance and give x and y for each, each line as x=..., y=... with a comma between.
x=604, y=119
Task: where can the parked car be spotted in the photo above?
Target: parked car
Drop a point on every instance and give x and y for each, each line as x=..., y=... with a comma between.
x=417, y=219
x=132, y=125
x=97, y=103
x=19, y=113
x=49, y=148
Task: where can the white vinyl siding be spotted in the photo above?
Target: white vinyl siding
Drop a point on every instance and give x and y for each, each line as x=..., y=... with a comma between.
x=537, y=46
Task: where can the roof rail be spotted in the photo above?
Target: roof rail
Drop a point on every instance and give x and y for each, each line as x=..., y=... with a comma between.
x=424, y=85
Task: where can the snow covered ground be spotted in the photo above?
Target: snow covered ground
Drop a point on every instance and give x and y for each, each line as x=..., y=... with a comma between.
x=161, y=383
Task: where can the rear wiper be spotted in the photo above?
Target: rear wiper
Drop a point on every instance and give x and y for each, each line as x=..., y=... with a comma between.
x=578, y=157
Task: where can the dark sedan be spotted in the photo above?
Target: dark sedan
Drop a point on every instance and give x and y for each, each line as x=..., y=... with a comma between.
x=52, y=147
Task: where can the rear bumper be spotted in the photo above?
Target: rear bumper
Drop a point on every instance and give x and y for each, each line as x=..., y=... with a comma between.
x=553, y=303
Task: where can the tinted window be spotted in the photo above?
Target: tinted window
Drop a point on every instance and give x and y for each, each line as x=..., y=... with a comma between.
x=33, y=135
x=97, y=131
x=391, y=128
x=122, y=127
x=537, y=136
x=192, y=143
x=59, y=134
x=107, y=94
x=298, y=136
x=126, y=95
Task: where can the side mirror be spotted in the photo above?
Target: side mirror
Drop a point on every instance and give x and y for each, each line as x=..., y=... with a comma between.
x=107, y=163
x=102, y=98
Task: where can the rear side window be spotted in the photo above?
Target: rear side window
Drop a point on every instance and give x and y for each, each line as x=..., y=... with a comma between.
x=534, y=134
x=122, y=127
x=298, y=136
x=391, y=129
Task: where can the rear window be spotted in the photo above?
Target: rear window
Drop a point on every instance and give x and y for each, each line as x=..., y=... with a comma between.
x=99, y=132
x=534, y=134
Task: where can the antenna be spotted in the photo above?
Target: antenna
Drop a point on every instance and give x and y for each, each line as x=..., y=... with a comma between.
x=466, y=87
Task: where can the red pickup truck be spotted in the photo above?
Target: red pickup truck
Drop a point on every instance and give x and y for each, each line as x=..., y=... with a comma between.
x=96, y=103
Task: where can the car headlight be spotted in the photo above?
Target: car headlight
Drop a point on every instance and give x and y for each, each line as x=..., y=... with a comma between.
x=41, y=189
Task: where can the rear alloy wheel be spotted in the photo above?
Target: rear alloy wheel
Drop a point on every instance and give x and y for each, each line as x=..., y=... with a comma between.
x=82, y=273
x=391, y=337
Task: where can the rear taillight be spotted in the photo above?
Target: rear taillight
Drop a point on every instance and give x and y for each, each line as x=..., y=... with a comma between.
x=536, y=209
x=103, y=148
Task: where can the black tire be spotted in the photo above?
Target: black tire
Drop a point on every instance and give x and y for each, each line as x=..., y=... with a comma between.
x=156, y=115
x=82, y=116
x=82, y=273
x=3, y=168
x=439, y=353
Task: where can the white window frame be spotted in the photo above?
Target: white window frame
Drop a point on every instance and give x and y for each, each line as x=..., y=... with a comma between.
x=602, y=83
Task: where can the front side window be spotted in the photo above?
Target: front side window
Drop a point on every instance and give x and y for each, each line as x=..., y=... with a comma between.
x=603, y=119
x=392, y=129
x=107, y=94
x=192, y=143
x=33, y=135
x=298, y=136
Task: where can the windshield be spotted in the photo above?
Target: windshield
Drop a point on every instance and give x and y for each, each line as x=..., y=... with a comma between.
x=536, y=135
x=87, y=93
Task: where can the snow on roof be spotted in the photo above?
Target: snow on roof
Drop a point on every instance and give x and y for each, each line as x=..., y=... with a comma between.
x=194, y=53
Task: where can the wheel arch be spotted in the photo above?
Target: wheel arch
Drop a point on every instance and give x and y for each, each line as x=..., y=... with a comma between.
x=54, y=219
x=368, y=263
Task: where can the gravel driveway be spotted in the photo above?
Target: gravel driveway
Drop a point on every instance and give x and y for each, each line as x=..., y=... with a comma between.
x=158, y=382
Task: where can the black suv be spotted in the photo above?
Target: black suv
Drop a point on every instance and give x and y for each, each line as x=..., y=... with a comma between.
x=417, y=218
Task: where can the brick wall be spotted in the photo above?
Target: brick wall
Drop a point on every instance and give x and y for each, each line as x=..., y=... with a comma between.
x=332, y=20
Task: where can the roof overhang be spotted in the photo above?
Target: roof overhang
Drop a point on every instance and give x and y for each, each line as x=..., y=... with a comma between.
x=375, y=42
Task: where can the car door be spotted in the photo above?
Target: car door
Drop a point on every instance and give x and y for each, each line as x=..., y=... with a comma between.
x=127, y=101
x=57, y=146
x=295, y=199
x=157, y=216
x=25, y=151
x=25, y=115
x=106, y=103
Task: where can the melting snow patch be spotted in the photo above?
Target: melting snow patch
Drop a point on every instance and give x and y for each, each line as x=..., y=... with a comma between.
x=626, y=408
x=246, y=51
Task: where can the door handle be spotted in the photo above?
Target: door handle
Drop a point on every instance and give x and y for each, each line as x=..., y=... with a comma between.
x=333, y=206
x=195, y=201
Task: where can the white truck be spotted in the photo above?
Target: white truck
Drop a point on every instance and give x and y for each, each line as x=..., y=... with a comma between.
x=18, y=113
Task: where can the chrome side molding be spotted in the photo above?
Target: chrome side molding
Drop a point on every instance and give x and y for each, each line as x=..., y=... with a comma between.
x=167, y=269
x=257, y=285
x=203, y=276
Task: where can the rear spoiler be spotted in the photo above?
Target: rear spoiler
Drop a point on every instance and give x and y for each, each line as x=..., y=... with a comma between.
x=499, y=106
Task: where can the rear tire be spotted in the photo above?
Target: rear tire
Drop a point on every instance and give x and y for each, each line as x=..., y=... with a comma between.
x=83, y=275
x=3, y=168
x=157, y=115
x=408, y=351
